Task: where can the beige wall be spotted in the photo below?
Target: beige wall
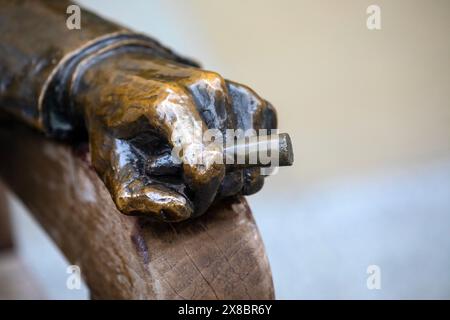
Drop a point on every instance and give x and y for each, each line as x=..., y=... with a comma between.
x=354, y=100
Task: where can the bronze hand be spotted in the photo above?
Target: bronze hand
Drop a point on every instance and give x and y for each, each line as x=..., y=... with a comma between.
x=134, y=115
x=136, y=99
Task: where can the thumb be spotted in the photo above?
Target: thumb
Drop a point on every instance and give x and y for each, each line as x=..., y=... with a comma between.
x=203, y=169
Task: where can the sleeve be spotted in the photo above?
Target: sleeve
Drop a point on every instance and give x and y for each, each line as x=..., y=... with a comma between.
x=39, y=53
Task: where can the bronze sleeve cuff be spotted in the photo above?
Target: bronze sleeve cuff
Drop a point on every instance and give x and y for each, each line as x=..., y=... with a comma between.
x=38, y=55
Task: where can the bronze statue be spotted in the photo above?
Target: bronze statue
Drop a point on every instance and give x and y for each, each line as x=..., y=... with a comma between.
x=135, y=100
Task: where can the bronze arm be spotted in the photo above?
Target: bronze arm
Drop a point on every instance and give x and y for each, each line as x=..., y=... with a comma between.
x=135, y=100
x=38, y=54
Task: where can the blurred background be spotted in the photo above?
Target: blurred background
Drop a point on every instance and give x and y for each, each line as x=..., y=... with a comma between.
x=369, y=115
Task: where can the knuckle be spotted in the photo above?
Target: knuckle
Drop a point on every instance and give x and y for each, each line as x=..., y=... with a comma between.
x=125, y=195
x=269, y=116
x=211, y=75
x=210, y=81
x=203, y=174
x=232, y=184
x=173, y=88
x=122, y=200
x=253, y=181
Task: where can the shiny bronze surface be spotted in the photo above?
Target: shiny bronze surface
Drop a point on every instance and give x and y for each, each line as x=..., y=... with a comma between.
x=136, y=100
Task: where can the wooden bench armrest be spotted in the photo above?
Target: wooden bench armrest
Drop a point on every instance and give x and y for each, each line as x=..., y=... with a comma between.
x=217, y=256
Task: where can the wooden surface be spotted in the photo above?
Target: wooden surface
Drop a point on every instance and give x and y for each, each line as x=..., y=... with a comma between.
x=16, y=280
x=5, y=227
x=218, y=256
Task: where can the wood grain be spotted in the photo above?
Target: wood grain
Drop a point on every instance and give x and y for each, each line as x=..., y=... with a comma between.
x=217, y=256
x=5, y=224
x=16, y=280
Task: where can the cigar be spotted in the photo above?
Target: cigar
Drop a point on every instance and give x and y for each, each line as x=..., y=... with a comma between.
x=256, y=151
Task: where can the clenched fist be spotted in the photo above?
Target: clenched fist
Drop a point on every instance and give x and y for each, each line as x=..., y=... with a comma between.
x=146, y=107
